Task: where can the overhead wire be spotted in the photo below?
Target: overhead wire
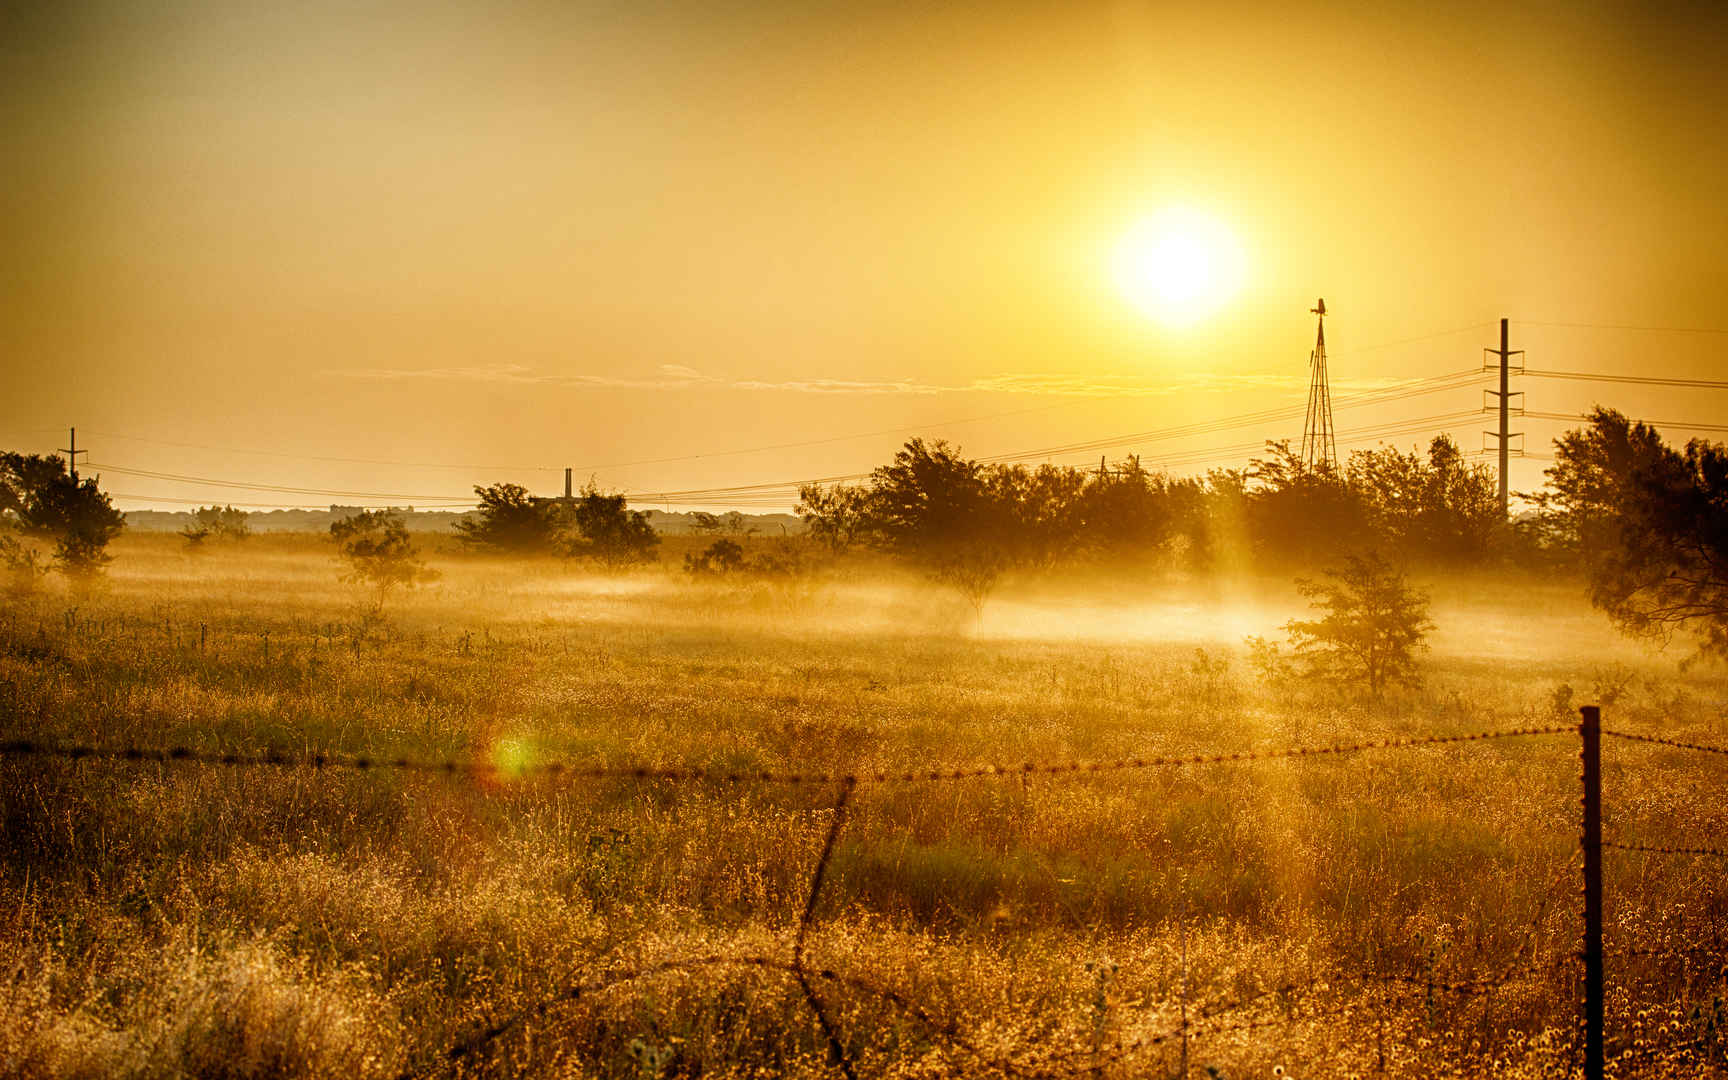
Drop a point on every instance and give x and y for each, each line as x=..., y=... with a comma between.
x=688, y=457
x=772, y=493
x=1645, y=380
x=1628, y=326
x=1571, y=417
x=1430, y=384
x=206, y=481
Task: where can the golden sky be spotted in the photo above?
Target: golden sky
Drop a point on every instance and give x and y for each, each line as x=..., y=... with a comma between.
x=512, y=237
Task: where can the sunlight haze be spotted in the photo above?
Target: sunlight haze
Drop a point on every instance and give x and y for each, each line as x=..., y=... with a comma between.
x=460, y=243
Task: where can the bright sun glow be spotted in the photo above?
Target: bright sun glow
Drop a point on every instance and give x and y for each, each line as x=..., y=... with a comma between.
x=1179, y=266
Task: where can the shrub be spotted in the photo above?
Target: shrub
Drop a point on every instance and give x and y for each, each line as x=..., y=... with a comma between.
x=601, y=527
x=721, y=558
x=216, y=522
x=1373, y=625
x=379, y=553
x=21, y=566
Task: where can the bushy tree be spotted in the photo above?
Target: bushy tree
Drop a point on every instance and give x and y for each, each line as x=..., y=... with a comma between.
x=509, y=519
x=940, y=511
x=719, y=559
x=1131, y=514
x=1372, y=626
x=703, y=523
x=379, y=553
x=1649, y=523
x=216, y=522
x=602, y=527
x=837, y=516
x=1439, y=509
x=1295, y=511
x=41, y=500
x=1045, y=510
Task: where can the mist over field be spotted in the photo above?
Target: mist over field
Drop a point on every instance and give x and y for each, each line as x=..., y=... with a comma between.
x=1401, y=912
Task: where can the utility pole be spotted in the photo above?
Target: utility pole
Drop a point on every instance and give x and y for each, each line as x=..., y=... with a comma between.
x=1505, y=435
x=72, y=452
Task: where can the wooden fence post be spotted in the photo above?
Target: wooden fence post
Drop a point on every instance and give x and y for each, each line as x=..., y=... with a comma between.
x=1590, y=731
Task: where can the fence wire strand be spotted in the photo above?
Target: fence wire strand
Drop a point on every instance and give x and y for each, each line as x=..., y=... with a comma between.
x=1657, y=740
x=556, y=768
x=1658, y=849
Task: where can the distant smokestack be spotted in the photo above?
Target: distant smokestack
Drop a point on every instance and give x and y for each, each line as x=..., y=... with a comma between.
x=566, y=484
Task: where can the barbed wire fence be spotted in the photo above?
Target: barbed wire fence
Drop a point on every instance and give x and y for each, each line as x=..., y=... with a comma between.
x=1210, y=1021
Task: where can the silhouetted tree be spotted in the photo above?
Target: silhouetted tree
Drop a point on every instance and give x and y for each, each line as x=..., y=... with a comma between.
x=509, y=519
x=938, y=510
x=837, y=516
x=601, y=527
x=1131, y=513
x=1441, y=508
x=379, y=553
x=721, y=558
x=39, y=499
x=1649, y=524
x=1045, y=512
x=1372, y=627
x=216, y=522
x=703, y=524
x=735, y=523
x=1296, y=512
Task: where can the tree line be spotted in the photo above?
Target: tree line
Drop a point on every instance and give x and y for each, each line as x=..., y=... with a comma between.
x=1645, y=523
x=968, y=522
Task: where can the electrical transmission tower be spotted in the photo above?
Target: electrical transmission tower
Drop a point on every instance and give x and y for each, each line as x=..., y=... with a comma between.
x=1319, y=447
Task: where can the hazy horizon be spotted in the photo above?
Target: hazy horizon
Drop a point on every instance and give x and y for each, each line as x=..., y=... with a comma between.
x=464, y=244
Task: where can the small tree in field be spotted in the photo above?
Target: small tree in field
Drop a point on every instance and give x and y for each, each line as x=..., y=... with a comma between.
x=379, y=553
x=21, y=566
x=1373, y=625
x=40, y=499
x=603, y=528
x=215, y=522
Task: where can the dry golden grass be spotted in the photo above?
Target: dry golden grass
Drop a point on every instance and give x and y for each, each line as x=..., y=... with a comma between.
x=193, y=920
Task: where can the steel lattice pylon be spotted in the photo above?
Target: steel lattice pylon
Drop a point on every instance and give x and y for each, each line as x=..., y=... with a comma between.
x=1319, y=447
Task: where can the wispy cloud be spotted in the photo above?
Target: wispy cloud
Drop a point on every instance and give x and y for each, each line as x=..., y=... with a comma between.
x=679, y=377
x=669, y=377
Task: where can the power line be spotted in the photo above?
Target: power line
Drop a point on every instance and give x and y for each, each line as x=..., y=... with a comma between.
x=1430, y=384
x=284, y=506
x=1627, y=326
x=212, y=482
x=1398, y=392
x=1646, y=380
x=1210, y=455
x=1652, y=423
x=1422, y=423
x=580, y=468
x=1412, y=340
x=688, y=457
x=336, y=460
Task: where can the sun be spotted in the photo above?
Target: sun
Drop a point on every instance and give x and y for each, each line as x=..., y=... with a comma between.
x=1179, y=266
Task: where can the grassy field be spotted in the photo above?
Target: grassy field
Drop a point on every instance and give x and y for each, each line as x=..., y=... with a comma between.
x=1400, y=913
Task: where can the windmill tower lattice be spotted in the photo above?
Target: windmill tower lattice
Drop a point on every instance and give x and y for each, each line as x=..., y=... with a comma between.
x=1318, y=444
